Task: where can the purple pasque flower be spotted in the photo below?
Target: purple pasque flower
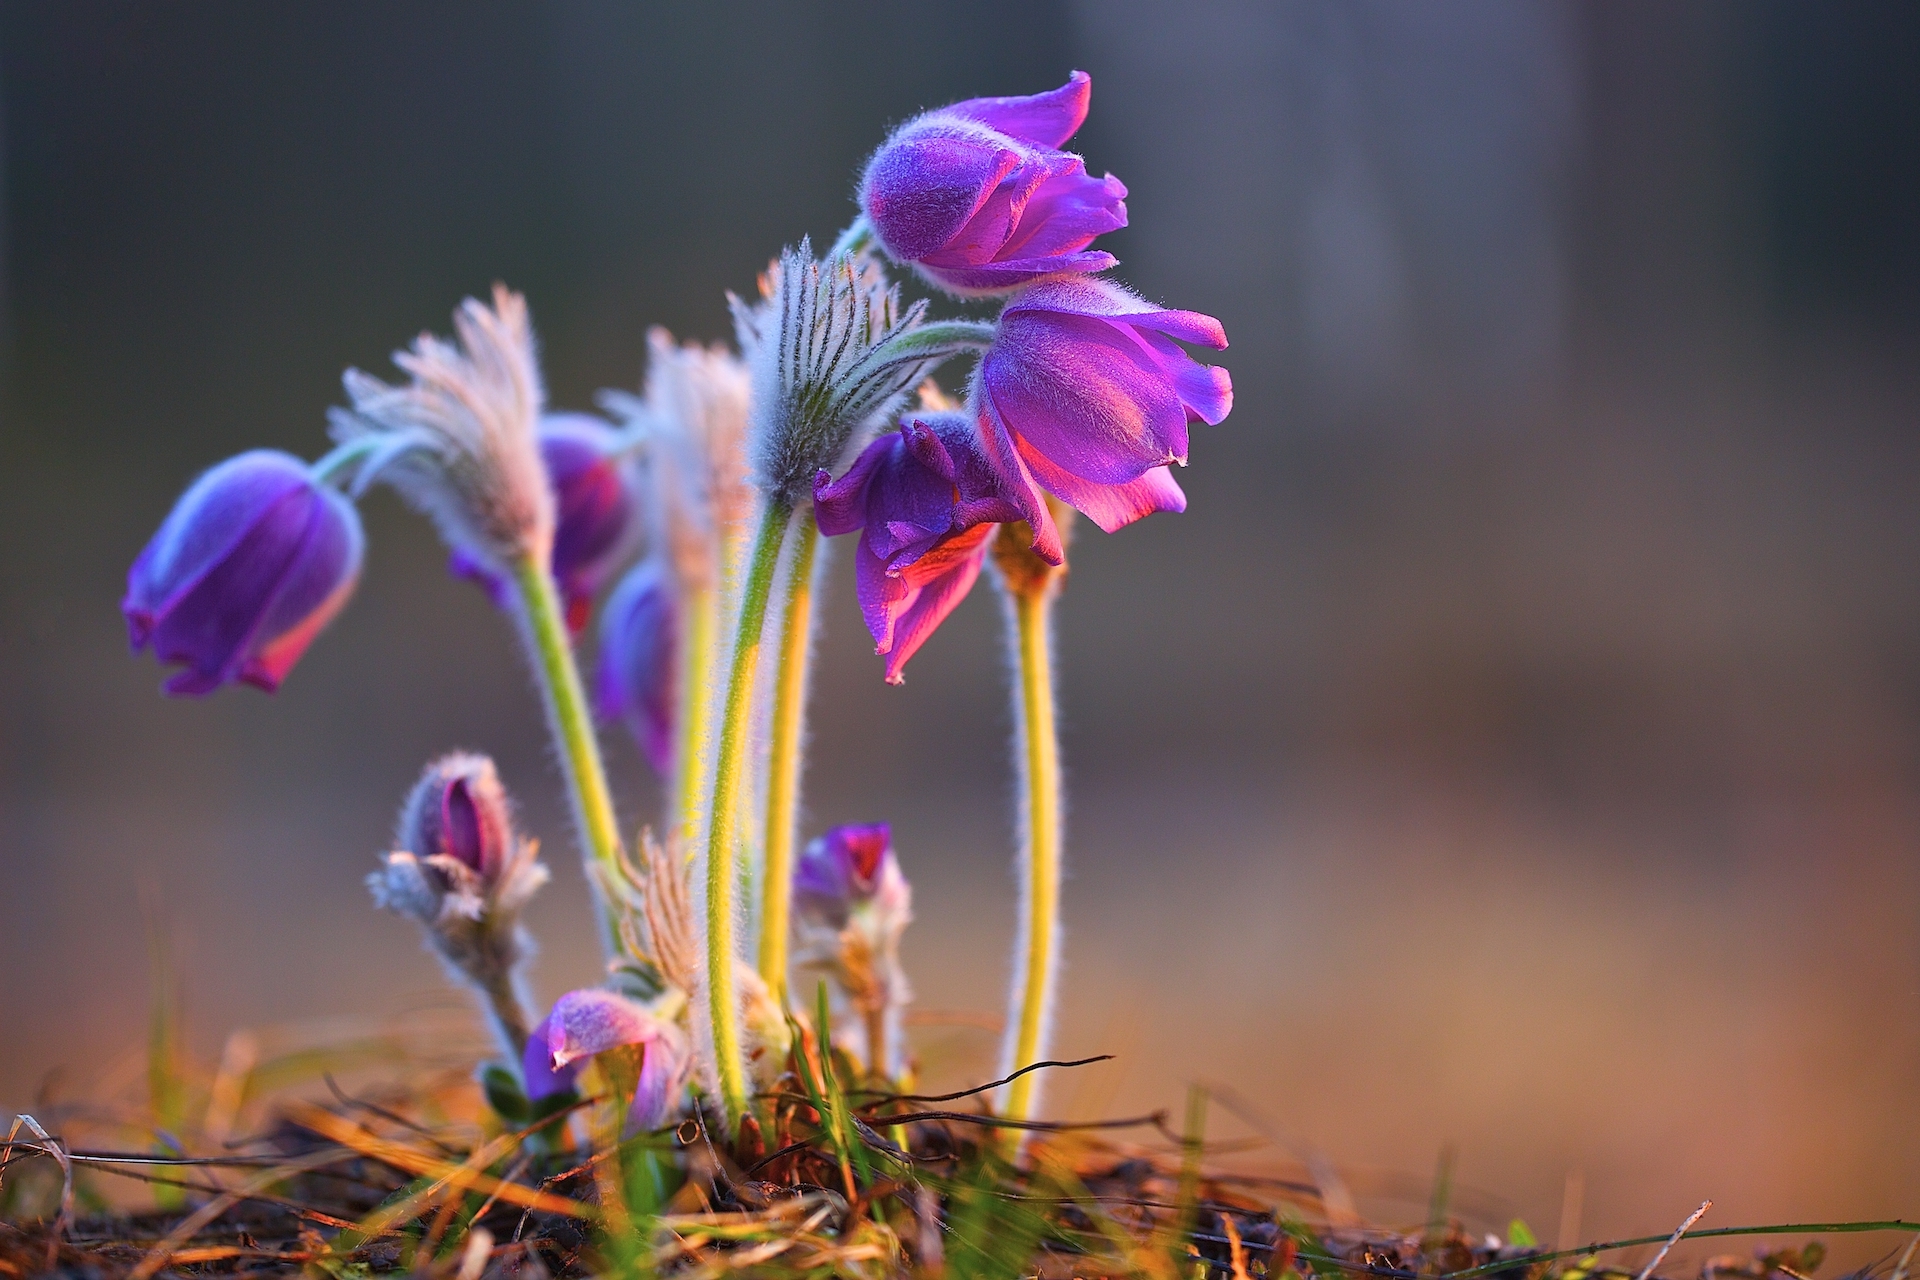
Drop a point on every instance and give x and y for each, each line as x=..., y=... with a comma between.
x=595, y=522
x=637, y=681
x=925, y=499
x=458, y=859
x=1086, y=393
x=848, y=866
x=980, y=199
x=254, y=559
x=589, y=1022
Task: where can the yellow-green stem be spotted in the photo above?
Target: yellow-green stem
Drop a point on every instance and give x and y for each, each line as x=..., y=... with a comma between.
x=729, y=780
x=1040, y=846
x=783, y=770
x=550, y=650
x=698, y=622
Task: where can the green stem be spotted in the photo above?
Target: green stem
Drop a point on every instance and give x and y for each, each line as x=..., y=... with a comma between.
x=550, y=650
x=1038, y=943
x=699, y=620
x=729, y=781
x=783, y=772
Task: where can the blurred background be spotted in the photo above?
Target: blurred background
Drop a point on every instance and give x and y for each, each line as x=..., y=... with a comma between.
x=1517, y=743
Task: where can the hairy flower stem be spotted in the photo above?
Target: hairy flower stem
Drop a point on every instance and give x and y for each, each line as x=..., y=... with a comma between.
x=507, y=1010
x=550, y=652
x=730, y=772
x=698, y=623
x=1031, y=586
x=783, y=772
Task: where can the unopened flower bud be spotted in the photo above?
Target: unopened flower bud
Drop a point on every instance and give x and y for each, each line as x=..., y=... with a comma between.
x=254, y=559
x=851, y=906
x=980, y=199
x=464, y=873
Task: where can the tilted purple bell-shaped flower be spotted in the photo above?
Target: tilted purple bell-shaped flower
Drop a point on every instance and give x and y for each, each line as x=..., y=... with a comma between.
x=980, y=199
x=925, y=499
x=1086, y=393
x=851, y=906
x=254, y=559
x=636, y=683
x=591, y=1021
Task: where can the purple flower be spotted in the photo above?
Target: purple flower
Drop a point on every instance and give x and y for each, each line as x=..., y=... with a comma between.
x=851, y=906
x=458, y=857
x=594, y=513
x=925, y=499
x=980, y=199
x=636, y=684
x=589, y=1022
x=846, y=866
x=1086, y=393
x=255, y=558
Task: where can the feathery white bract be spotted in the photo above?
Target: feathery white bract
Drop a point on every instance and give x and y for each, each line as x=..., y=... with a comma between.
x=819, y=346
x=459, y=440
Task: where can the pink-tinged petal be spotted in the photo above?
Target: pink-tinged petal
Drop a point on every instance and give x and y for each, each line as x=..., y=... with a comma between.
x=926, y=184
x=1084, y=392
x=1043, y=119
x=934, y=586
x=1065, y=213
x=998, y=448
x=252, y=562
x=1111, y=506
x=1105, y=298
x=1205, y=390
x=591, y=1021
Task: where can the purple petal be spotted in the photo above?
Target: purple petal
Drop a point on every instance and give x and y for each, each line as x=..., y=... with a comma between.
x=593, y=506
x=925, y=184
x=1086, y=393
x=1043, y=119
x=1111, y=506
x=922, y=595
x=590, y=1021
x=1066, y=213
x=541, y=1078
x=636, y=682
x=663, y=1071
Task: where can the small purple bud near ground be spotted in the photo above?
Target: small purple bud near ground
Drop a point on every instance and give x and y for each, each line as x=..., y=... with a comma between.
x=463, y=873
x=252, y=562
x=851, y=906
x=979, y=198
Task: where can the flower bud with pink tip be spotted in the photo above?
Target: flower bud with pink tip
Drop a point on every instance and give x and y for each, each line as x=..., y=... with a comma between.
x=851, y=906
x=463, y=872
x=252, y=562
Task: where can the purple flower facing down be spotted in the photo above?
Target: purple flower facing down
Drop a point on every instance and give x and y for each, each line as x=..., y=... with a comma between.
x=847, y=866
x=980, y=199
x=591, y=1021
x=636, y=684
x=925, y=499
x=595, y=519
x=851, y=906
x=255, y=558
x=1086, y=392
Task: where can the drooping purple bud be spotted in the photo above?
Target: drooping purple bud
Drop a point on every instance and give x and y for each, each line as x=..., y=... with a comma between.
x=843, y=868
x=636, y=682
x=1086, y=392
x=925, y=499
x=979, y=198
x=252, y=562
x=589, y=1022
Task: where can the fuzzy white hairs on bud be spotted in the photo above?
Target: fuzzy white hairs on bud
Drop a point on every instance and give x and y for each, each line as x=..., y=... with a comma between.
x=459, y=441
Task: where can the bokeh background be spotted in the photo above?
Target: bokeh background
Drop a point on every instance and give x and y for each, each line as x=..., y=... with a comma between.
x=1517, y=744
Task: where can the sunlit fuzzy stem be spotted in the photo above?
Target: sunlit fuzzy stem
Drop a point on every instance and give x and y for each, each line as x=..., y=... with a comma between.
x=699, y=623
x=730, y=771
x=506, y=1010
x=550, y=651
x=783, y=771
x=1031, y=586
